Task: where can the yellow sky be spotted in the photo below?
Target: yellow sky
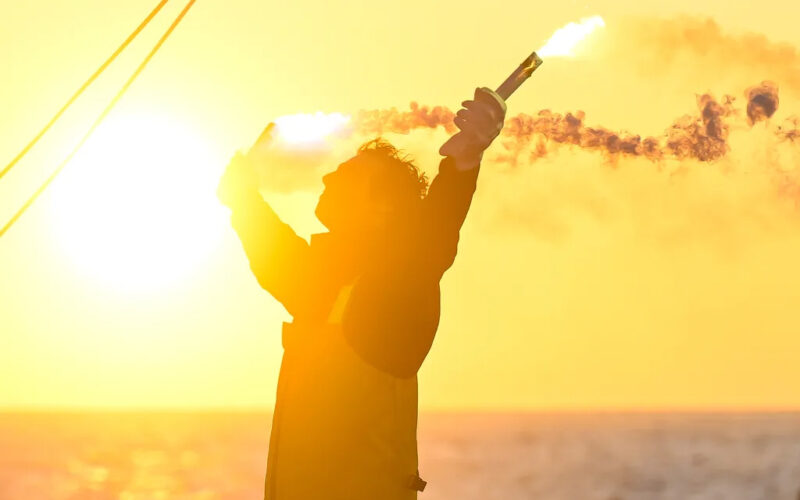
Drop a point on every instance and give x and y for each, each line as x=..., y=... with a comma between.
x=577, y=285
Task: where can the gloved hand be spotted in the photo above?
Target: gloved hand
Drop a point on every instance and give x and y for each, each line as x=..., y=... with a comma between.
x=239, y=184
x=480, y=122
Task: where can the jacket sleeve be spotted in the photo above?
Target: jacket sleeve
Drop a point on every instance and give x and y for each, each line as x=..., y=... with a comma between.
x=279, y=258
x=443, y=214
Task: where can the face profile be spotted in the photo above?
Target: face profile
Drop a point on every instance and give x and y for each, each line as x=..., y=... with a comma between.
x=345, y=204
x=371, y=191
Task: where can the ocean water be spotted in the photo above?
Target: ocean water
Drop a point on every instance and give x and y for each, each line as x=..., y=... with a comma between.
x=205, y=456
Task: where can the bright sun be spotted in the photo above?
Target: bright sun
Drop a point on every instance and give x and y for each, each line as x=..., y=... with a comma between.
x=136, y=207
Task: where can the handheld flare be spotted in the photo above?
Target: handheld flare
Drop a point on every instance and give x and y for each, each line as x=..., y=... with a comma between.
x=518, y=77
x=456, y=144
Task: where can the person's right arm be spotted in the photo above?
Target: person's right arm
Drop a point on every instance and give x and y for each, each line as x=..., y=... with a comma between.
x=278, y=257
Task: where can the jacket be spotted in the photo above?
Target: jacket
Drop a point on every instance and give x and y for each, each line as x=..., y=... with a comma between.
x=344, y=425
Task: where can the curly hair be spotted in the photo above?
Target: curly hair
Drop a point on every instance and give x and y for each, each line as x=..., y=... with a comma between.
x=395, y=173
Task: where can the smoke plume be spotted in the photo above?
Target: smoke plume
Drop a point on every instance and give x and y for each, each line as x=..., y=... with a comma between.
x=702, y=136
x=380, y=121
x=762, y=102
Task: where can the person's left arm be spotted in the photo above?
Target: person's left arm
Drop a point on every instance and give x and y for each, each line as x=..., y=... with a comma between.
x=450, y=194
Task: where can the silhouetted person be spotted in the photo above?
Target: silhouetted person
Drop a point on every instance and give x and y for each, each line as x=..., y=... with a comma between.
x=364, y=298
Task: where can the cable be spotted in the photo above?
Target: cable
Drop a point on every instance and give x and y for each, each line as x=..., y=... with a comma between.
x=99, y=119
x=83, y=87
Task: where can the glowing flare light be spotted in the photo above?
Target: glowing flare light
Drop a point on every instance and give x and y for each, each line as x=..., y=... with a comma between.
x=307, y=129
x=565, y=39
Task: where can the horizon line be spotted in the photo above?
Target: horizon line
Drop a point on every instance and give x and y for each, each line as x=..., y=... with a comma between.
x=241, y=409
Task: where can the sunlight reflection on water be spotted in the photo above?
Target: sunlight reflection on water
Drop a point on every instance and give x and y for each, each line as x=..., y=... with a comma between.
x=205, y=456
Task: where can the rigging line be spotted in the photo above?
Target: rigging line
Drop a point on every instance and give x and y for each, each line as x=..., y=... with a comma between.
x=99, y=119
x=83, y=87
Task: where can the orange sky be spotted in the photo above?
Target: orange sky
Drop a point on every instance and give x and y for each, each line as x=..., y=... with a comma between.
x=578, y=284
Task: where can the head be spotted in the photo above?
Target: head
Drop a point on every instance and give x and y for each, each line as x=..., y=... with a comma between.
x=372, y=191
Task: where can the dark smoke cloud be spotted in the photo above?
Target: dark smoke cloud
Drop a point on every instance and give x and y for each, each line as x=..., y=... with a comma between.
x=549, y=128
x=380, y=121
x=702, y=136
x=762, y=102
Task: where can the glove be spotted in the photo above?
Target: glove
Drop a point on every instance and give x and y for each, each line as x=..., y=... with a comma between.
x=480, y=122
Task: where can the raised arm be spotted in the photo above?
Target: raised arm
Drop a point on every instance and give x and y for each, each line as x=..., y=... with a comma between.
x=450, y=193
x=400, y=297
x=278, y=257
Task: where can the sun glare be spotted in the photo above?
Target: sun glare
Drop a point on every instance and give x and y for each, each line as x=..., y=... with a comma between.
x=309, y=128
x=564, y=40
x=136, y=208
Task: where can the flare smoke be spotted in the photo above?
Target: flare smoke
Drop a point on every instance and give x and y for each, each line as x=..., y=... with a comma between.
x=702, y=136
x=380, y=121
x=762, y=102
